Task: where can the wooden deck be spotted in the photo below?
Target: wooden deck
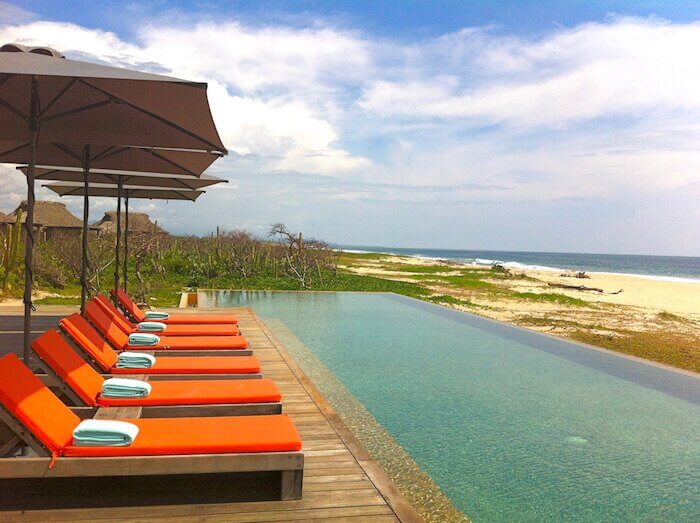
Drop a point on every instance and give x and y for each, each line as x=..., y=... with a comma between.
x=341, y=481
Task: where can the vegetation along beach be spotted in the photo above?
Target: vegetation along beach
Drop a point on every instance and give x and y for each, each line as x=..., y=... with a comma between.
x=652, y=318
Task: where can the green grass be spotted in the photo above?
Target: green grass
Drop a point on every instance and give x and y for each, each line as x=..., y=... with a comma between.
x=450, y=300
x=421, y=269
x=59, y=300
x=671, y=348
x=549, y=297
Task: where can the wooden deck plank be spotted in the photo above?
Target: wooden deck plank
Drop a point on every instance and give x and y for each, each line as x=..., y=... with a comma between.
x=341, y=482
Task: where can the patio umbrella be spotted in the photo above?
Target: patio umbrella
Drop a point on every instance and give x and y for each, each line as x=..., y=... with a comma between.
x=47, y=100
x=138, y=188
x=133, y=180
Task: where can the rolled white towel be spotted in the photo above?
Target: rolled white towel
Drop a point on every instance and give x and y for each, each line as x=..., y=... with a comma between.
x=143, y=339
x=125, y=388
x=104, y=433
x=152, y=326
x=157, y=315
x=135, y=360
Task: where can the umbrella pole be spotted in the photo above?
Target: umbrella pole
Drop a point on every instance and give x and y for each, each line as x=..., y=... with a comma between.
x=126, y=238
x=119, y=238
x=86, y=213
x=29, y=219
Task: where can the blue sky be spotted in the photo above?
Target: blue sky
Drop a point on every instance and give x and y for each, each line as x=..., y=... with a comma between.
x=555, y=126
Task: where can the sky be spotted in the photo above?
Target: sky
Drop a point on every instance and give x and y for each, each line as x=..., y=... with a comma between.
x=504, y=125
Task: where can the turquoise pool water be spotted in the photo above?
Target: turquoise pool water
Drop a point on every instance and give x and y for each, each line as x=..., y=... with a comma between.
x=511, y=425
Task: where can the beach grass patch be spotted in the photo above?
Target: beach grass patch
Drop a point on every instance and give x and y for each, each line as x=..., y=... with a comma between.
x=550, y=297
x=672, y=348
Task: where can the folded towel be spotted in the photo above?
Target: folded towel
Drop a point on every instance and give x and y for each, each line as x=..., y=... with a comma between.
x=143, y=339
x=125, y=388
x=151, y=326
x=104, y=433
x=157, y=315
x=135, y=360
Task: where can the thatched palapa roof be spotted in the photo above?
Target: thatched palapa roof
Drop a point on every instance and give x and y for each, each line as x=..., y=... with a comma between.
x=48, y=214
x=139, y=222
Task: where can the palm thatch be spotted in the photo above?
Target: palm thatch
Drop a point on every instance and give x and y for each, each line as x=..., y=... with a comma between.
x=139, y=223
x=49, y=215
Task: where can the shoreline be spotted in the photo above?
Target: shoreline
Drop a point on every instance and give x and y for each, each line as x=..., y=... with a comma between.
x=514, y=265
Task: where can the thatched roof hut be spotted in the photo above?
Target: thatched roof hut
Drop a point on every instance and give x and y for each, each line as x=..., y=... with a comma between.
x=139, y=223
x=50, y=218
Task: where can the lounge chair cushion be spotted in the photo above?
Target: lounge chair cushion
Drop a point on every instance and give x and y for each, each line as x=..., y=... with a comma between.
x=160, y=436
x=117, y=337
x=173, y=330
x=197, y=343
x=183, y=318
x=89, y=340
x=201, y=392
x=34, y=405
x=85, y=381
x=199, y=365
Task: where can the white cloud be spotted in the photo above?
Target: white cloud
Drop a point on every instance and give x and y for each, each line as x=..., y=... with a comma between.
x=630, y=66
x=600, y=112
x=277, y=124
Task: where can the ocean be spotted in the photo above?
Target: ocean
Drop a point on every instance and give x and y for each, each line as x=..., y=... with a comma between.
x=669, y=268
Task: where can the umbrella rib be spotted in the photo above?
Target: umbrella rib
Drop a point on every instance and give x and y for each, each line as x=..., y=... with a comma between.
x=110, y=151
x=13, y=109
x=174, y=164
x=47, y=174
x=10, y=151
x=67, y=150
x=59, y=95
x=76, y=110
x=154, y=116
x=184, y=195
x=74, y=191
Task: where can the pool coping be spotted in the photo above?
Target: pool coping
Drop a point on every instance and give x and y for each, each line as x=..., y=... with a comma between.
x=404, y=510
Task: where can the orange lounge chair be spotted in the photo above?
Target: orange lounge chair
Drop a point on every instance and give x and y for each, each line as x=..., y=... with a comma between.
x=162, y=449
x=83, y=384
x=98, y=350
x=170, y=330
x=200, y=318
x=117, y=337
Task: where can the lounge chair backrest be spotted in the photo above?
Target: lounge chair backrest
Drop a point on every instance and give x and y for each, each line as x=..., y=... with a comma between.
x=115, y=314
x=103, y=323
x=129, y=306
x=34, y=405
x=68, y=365
x=88, y=339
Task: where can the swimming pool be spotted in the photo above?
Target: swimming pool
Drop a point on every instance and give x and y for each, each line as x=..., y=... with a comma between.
x=511, y=424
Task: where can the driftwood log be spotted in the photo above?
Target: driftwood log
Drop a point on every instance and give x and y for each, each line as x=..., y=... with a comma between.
x=581, y=288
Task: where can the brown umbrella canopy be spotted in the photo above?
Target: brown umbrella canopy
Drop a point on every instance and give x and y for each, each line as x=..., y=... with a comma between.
x=128, y=178
x=88, y=113
x=112, y=191
x=84, y=103
x=148, y=159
